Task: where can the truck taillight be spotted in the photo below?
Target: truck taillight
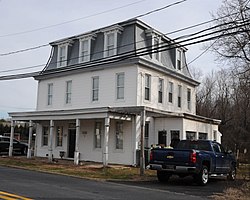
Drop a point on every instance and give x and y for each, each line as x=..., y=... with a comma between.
x=193, y=157
x=151, y=155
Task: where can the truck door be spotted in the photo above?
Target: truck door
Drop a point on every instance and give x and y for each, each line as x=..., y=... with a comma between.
x=220, y=158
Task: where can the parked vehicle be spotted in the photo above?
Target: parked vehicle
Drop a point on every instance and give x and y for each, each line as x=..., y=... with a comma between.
x=18, y=147
x=201, y=159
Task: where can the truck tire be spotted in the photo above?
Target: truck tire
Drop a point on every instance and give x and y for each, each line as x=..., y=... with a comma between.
x=202, y=177
x=163, y=176
x=232, y=173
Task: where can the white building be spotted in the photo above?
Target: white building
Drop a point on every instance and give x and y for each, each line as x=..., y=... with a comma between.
x=102, y=90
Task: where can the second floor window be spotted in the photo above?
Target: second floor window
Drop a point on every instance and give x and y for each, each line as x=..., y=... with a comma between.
x=179, y=96
x=50, y=94
x=160, y=90
x=170, y=92
x=120, y=86
x=95, y=88
x=147, y=86
x=68, y=92
x=62, y=55
x=189, y=99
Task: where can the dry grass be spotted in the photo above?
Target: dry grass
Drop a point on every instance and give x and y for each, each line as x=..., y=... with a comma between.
x=84, y=170
x=242, y=193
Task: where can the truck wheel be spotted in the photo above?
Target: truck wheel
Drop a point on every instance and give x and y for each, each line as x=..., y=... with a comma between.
x=163, y=176
x=232, y=174
x=202, y=177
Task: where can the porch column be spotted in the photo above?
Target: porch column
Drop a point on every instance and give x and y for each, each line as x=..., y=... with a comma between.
x=77, y=153
x=11, y=138
x=106, y=142
x=142, y=154
x=30, y=139
x=51, y=140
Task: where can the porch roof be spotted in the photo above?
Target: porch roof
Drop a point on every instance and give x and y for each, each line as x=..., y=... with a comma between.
x=124, y=113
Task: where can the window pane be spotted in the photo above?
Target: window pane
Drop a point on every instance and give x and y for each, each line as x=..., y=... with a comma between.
x=59, y=136
x=45, y=134
x=119, y=135
x=147, y=86
x=120, y=86
x=62, y=56
x=98, y=135
x=170, y=93
x=95, y=89
x=85, y=50
x=68, y=91
x=50, y=93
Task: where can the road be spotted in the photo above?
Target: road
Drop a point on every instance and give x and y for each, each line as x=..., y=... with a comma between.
x=38, y=185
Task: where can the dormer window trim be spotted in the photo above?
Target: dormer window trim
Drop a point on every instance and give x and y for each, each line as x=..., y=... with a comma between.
x=179, y=59
x=156, y=40
x=110, y=40
x=87, y=39
x=62, y=53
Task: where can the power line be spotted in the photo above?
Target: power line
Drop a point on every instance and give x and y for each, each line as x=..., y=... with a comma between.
x=70, y=21
x=169, y=33
x=142, y=49
x=44, y=45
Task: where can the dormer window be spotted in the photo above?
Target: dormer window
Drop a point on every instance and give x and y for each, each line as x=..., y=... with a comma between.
x=179, y=59
x=62, y=55
x=62, y=52
x=85, y=47
x=110, y=40
x=154, y=44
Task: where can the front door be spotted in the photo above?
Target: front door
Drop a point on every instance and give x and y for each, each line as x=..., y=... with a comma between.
x=72, y=142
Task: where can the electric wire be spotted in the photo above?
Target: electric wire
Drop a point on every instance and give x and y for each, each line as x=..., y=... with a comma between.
x=70, y=21
x=146, y=51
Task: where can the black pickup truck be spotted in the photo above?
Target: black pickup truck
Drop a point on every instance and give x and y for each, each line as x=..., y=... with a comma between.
x=200, y=158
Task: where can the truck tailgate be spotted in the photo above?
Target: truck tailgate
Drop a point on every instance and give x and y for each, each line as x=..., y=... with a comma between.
x=175, y=157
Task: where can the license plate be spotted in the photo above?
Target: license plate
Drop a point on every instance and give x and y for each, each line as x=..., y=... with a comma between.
x=169, y=167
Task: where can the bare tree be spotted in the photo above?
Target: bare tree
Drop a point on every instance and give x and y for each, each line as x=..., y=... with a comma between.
x=233, y=20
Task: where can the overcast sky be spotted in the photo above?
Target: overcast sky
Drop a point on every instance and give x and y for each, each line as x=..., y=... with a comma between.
x=23, y=25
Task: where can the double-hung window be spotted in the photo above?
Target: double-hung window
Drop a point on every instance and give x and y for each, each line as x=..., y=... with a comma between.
x=155, y=44
x=85, y=47
x=111, y=40
x=62, y=55
x=45, y=135
x=59, y=136
x=50, y=94
x=189, y=99
x=147, y=86
x=156, y=47
x=95, y=88
x=179, y=95
x=84, y=55
x=179, y=59
x=119, y=135
x=170, y=92
x=68, y=92
x=160, y=90
x=120, y=86
x=98, y=135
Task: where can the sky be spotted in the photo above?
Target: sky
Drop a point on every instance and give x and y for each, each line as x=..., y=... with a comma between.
x=28, y=23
